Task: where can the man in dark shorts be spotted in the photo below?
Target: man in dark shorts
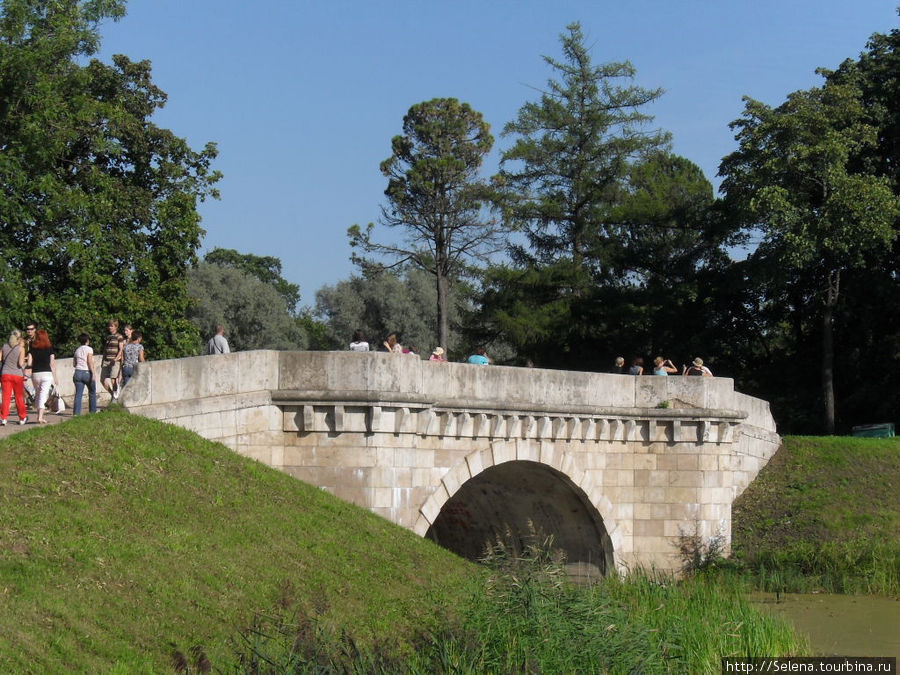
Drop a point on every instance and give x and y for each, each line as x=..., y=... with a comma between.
x=30, y=332
x=112, y=359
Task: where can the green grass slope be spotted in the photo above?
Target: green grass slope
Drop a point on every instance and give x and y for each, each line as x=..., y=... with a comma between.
x=121, y=538
x=824, y=514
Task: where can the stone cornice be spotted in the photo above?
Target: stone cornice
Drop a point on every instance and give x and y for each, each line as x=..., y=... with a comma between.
x=642, y=425
x=349, y=398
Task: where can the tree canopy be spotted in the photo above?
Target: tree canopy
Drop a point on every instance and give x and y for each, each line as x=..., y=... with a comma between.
x=254, y=313
x=265, y=268
x=793, y=178
x=384, y=301
x=564, y=174
x=98, y=204
x=611, y=219
x=435, y=196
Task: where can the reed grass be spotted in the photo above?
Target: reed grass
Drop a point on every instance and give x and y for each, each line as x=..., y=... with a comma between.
x=525, y=617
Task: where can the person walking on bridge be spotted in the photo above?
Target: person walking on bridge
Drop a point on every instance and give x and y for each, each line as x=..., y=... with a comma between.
x=13, y=379
x=218, y=344
x=83, y=375
x=111, y=364
x=697, y=369
x=42, y=360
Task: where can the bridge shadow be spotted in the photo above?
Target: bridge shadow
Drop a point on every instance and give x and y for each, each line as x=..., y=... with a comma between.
x=514, y=501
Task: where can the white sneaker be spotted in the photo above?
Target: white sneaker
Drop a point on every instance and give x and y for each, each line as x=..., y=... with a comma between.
x=3, y=422
x=21, y=422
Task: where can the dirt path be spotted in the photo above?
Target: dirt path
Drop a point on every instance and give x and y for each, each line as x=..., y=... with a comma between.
x=13, y=426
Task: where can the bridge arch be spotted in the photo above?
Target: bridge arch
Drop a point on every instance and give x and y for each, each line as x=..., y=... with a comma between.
x=521, y=501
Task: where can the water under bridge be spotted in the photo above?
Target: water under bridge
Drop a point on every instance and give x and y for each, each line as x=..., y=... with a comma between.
x=616, y=468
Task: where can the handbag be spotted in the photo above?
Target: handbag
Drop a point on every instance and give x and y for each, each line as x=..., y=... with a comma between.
x=55, y=401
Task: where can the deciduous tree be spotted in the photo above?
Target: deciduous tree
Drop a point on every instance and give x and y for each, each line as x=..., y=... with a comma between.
x=265, y=268
x=381, y=301
x=98, y=204
x=821, y=214
x=254, y=313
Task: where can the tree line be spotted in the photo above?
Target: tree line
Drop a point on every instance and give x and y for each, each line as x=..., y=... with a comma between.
x=592, y=240
x=787, y=282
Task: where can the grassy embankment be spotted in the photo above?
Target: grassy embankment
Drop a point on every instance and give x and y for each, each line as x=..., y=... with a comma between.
x=824, y=514
x=123, y=540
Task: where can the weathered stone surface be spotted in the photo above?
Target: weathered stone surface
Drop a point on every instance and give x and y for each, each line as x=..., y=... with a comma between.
x=436, y=447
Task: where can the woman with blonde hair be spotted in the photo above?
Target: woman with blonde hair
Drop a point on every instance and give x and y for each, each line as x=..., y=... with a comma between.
x=13, y=378
x=663, y=366
x=42, y=360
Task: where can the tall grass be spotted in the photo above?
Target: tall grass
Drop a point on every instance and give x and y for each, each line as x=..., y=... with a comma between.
x=855, y=566
x=525, y=617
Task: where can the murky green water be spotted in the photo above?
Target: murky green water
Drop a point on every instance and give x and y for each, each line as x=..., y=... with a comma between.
x=840, y=625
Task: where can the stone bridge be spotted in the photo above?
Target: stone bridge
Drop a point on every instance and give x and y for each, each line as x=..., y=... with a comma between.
x=614, y=467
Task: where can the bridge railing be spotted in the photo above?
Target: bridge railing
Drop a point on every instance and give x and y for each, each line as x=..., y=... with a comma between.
x=378, y=375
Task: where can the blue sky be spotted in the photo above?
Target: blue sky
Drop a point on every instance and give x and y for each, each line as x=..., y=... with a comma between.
x=303, y=97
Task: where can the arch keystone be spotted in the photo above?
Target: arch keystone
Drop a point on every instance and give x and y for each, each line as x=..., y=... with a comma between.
x=526, y=451
x=503, y=452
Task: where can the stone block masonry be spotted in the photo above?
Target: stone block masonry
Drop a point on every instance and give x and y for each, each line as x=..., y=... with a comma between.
x=466, y=454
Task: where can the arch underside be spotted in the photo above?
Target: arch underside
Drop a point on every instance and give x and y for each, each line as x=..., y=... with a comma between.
x=520, y=503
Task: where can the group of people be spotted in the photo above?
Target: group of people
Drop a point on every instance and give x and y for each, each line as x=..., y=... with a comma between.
x=121, y=354
x=392, y=345
x=31, y=356
x=661, y=366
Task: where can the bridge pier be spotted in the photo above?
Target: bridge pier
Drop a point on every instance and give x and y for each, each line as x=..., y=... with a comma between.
x=466, y=454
